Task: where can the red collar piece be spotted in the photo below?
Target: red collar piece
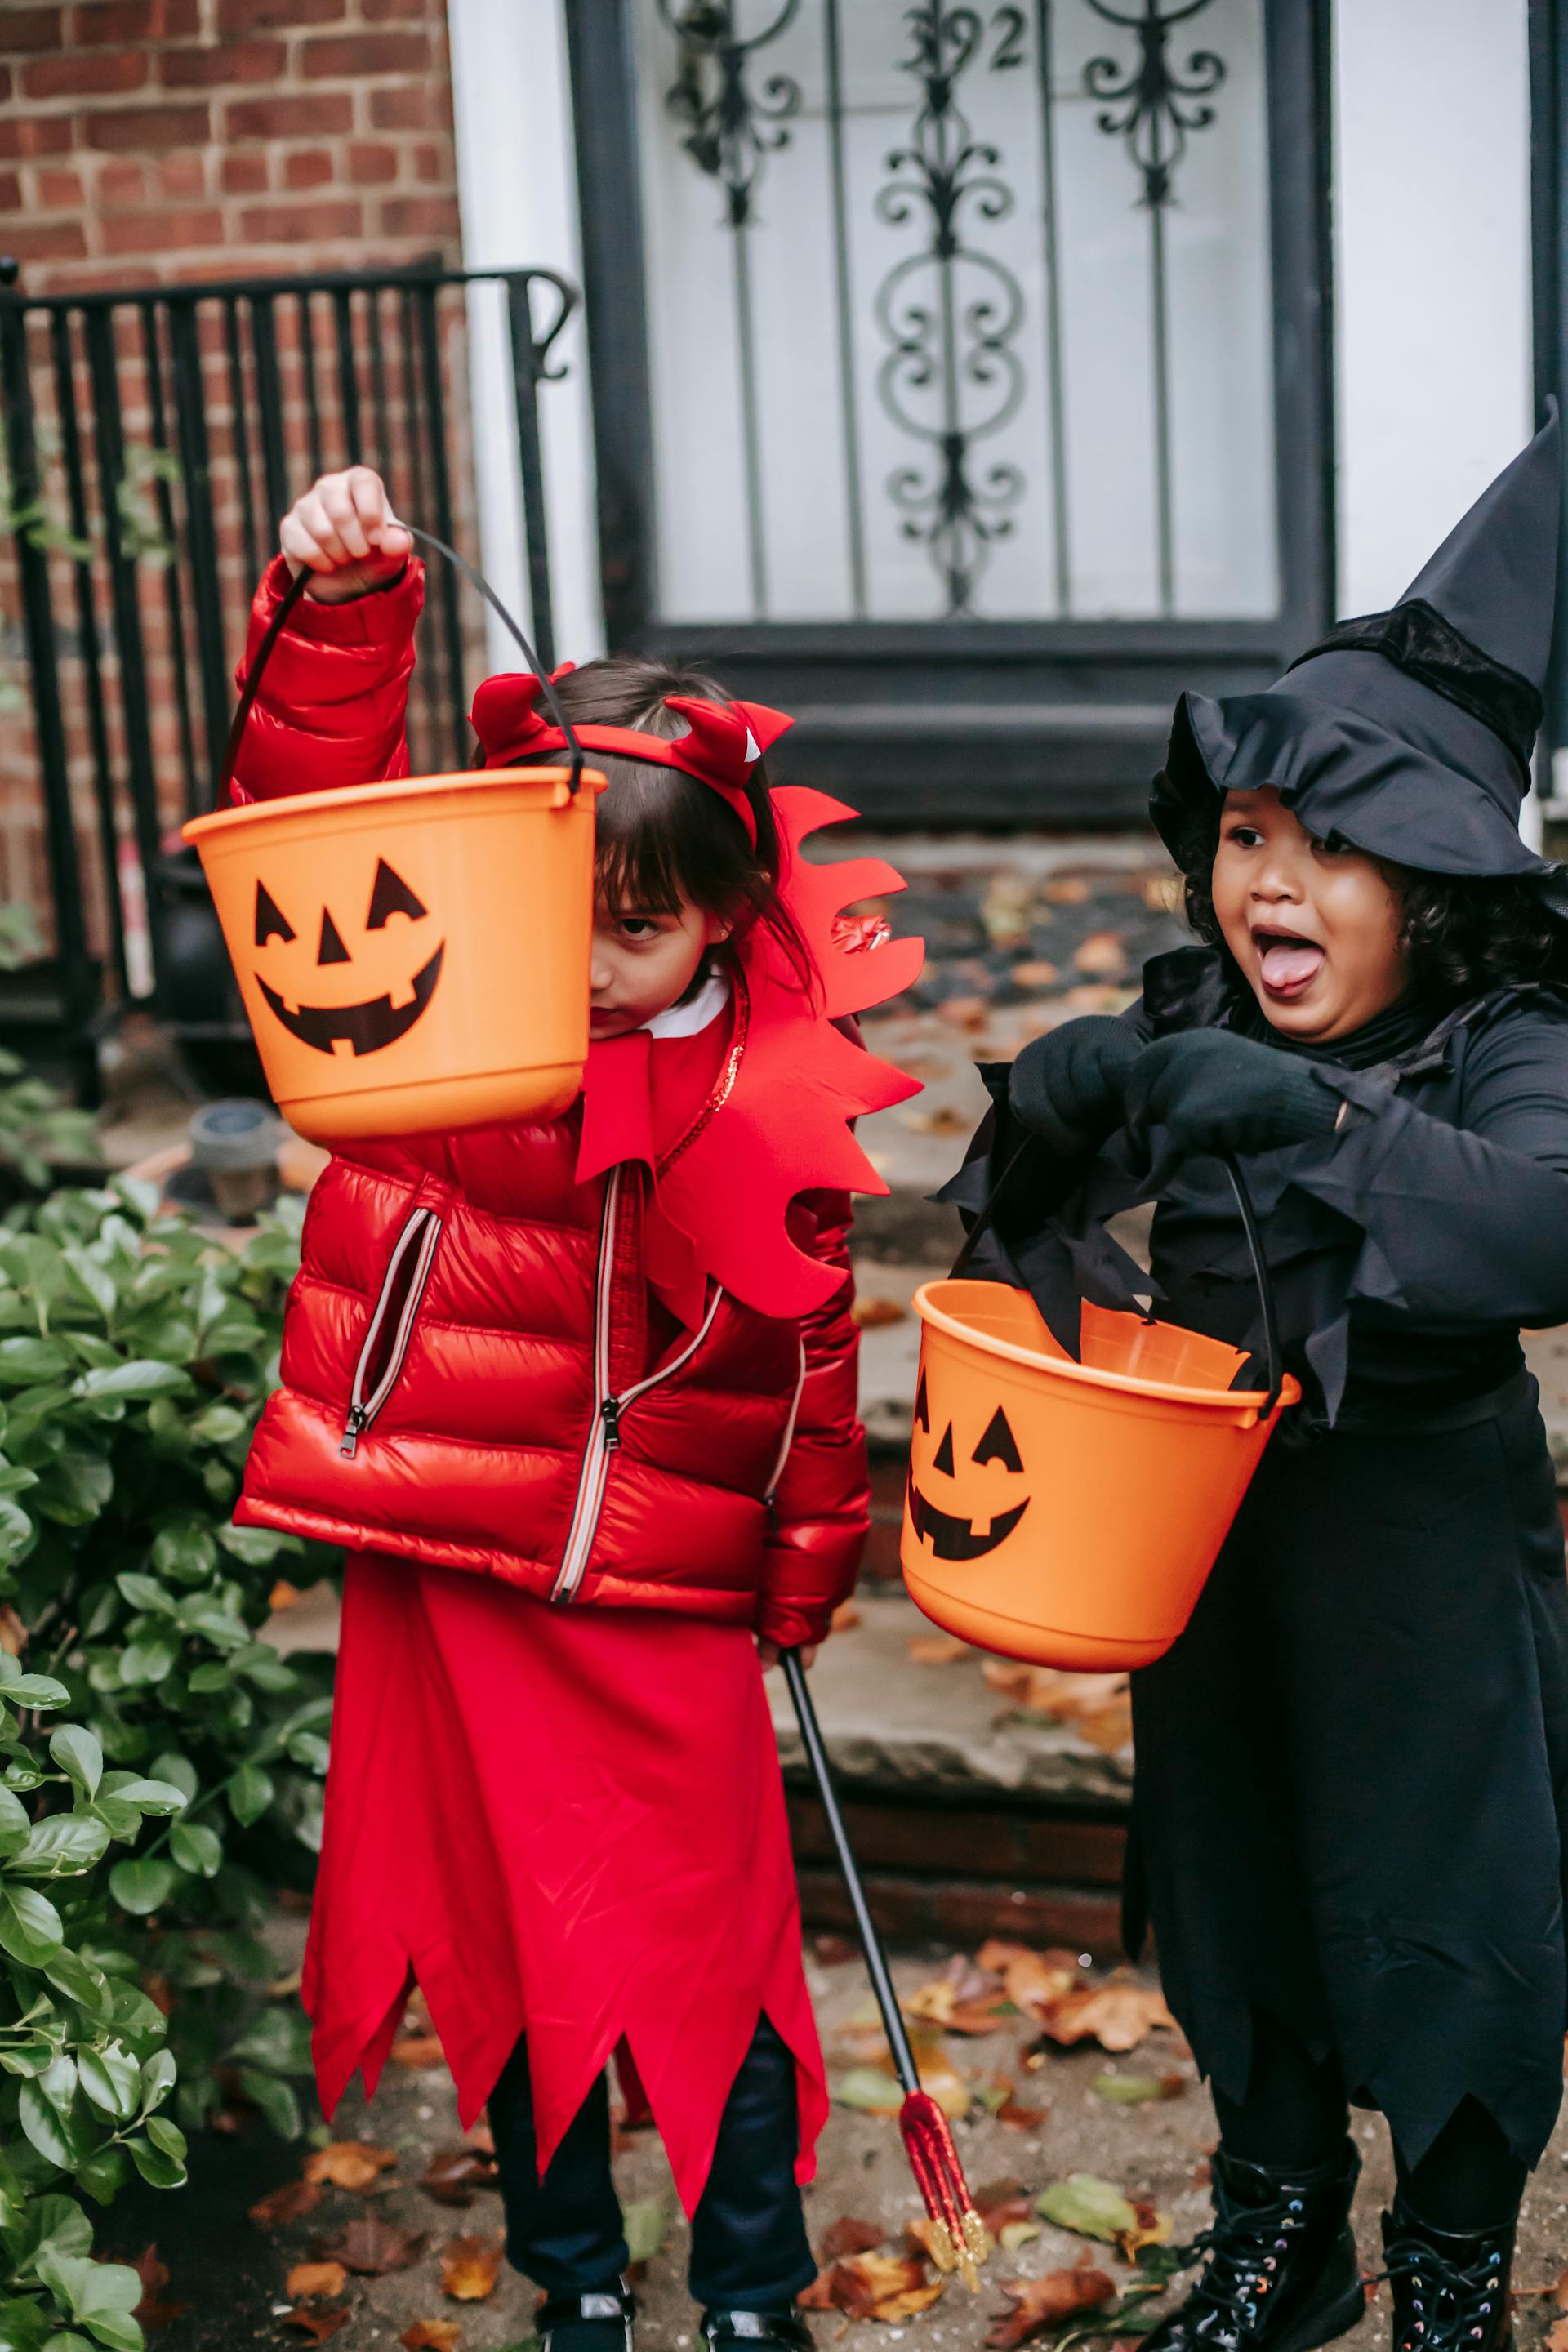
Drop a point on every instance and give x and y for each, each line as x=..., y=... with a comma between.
x=723, y=743
x=794, y=1079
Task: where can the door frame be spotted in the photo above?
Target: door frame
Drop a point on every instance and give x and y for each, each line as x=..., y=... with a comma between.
x=1067, y=717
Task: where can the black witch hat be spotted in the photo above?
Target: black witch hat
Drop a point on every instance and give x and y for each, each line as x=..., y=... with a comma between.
x=1405, y=734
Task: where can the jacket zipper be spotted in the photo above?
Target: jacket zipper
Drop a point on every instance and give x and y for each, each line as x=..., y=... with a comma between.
x=789, y=1431
x=419, y=1235
x=604, y=1434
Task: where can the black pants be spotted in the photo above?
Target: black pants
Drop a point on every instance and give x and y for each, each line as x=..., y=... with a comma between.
x=749, y=2248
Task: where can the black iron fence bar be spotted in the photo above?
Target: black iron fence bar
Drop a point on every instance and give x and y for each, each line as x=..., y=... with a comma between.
x=176, y=361
x=843, y=291
x=1055, y=398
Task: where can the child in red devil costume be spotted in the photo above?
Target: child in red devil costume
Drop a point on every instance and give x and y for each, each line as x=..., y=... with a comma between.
x=578, y=1397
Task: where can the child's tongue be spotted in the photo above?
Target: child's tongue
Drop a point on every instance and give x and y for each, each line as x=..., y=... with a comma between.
x=1289, y=963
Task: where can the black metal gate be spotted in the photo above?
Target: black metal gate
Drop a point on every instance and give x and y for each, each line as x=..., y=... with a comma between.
x=153, y=437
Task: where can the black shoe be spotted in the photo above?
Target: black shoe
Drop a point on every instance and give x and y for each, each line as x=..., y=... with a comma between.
x=1448, y=2289
x=587, y=2323
x=1281, y=2272
x=785, y=2329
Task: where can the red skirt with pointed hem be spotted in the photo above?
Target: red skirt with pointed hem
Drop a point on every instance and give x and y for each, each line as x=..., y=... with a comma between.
x=568, y=1822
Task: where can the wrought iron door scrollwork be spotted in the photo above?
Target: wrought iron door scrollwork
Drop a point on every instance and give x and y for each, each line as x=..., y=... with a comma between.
x=950, y=313
x=731, y=128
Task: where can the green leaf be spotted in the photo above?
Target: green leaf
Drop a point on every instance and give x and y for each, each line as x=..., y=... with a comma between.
x=868, y=2088
x=24, y=1361
x=278, y=2039
x=179, y=1770
x=24, y=2325
x=78, y=1752
x=166, y=2135
x=152, y=1796
x=646, y=2222
x=36, y=1690
x=74, y=1488
x=30, y=1927
x=257, y=1546
x=197, y=1848
x=1132, y=2090
x=249, y=1794
x=275, y=2099
x=159, y=2170
x=220, y=1424
x=142, y=1377
x=45, y=2128
x=146, y=1592
x=104, y=2174
x=1089, y=2206
x=309, y=1749
x=187, y=1552
x=61, y=1846
x=141, y=1886
x=16, y=1826
x=77, y=1978
x=157, y=2081
x=146, y=1662
x=111, y=2079
x=94, y=1281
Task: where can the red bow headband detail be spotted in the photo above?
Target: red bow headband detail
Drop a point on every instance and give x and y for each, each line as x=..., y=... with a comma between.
x=723, y=744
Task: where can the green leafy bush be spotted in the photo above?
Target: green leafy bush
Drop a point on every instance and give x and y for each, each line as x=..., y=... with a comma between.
x=162, y=1766
x=36, y=1124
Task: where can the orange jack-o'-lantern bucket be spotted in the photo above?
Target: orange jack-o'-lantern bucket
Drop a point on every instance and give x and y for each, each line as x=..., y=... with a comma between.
x=1068, y=1512
x=413, y=956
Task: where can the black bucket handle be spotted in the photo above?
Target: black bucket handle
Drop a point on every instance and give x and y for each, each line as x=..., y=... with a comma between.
x=296, y=589
x=981, y=1226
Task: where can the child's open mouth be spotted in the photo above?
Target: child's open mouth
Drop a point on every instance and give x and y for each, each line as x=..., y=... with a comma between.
x=1288, y=964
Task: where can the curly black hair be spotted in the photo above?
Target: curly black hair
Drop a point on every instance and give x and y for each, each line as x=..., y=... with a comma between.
x=1464, y=935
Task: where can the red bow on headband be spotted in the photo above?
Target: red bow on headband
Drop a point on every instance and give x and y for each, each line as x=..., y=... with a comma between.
x=724, y=740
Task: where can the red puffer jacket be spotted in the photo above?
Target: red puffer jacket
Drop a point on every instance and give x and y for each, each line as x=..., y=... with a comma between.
x=476, y=1372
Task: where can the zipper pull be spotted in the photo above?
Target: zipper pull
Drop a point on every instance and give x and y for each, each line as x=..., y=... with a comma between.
x=351, y=1428
x=610, y=1413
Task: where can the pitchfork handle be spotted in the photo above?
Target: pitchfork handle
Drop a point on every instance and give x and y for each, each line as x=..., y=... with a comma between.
x=870, y=1942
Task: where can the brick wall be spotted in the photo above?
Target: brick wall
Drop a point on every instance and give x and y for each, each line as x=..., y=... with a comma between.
x=212, y=137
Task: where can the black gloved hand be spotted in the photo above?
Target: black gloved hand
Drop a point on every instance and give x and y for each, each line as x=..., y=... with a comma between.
x=1214, y=1092
x=1065, y=1087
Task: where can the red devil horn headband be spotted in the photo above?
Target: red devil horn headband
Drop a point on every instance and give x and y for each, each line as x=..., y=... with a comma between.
x=723, y=743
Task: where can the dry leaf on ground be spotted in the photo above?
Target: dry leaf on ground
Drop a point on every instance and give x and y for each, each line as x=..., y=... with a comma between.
x=872, y=1314
x=1021, y=2118
x=469, y=2267
x=997, y=2203
x=845, y=1616
x=312, y=2282
x=935, y=1649
x=289, y=2203
x=318, y=2325
x=418, y=2050
x=889, y=2287
x=283, y=1595
x=1118, y=2015
x=1138, y=2090
x=430, y=2336
x=1035, y=972
x=370, y=2246
x=349, y=2163
x=152, y=2311
x=1033, y=1981
x=1557, y=2336
x=456, y=2173
x=848, y=2236
x=1560, y=2293
x=1043, y=2302
x=1103, y=956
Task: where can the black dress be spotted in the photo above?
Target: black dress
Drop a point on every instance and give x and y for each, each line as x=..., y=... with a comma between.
x=1352, y=1784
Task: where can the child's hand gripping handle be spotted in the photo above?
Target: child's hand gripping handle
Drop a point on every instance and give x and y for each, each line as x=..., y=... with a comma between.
x=1272, y=1357
x=279, y=622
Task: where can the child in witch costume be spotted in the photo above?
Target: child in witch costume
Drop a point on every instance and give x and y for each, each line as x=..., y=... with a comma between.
x=1352, y=1767
x=578, y=1396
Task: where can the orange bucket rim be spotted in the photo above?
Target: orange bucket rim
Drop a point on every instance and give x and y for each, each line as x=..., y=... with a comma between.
x=359, y=796
x=1119, y=1383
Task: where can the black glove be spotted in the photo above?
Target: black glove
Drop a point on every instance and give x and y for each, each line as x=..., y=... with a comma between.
x=1065, y=1087
x=1214, y=1092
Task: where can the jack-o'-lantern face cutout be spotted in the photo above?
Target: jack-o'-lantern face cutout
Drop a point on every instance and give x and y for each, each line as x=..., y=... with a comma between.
x=381, y=952
x=953, y=1532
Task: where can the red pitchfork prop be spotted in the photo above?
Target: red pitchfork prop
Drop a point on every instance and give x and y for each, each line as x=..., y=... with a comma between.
x=958, y=2233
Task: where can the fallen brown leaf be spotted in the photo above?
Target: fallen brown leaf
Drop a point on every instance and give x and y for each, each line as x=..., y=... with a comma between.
x=1118, y=2015
x=349, y=2163
x=1035, y=972
x=1037, y=1982
x=418, y=2050
x=848, y=2236
x=456, y=2173
x=283, y=1595
x=872, y=1314
x=318, y=2325
x=873, y=2286
x=1103, y=956
x=834, y=1951
x=469, y=2267
x=285, y=2204
x=904, y=2306
x=152, y=2311
x=1560, y=2293
x=370, y=2246
x=1065, y=890
x=935, y=1649
x=13, y=1633
x=845, y=1616
x=965, y=1011
x=1557, y=2336
x=1040, y=2304
x=1020, y=2119
x=430, y=2336
x=314, y=2282
x=942, y=1121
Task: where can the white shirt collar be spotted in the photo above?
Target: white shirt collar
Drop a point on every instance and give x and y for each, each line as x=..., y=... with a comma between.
x=687, y=1019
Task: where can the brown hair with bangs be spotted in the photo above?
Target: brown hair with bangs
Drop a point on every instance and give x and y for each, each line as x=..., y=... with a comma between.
x=663, y=835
